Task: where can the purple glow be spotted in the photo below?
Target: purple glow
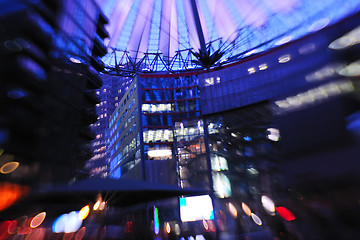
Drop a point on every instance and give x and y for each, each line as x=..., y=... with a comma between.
x=168, y=39
x=117, y=20
x=253, y=15
x=225, y=26
x=139, y=38
x=174, y=36
x=281, y=6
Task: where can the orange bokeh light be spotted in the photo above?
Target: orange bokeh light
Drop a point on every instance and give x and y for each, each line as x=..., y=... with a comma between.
x=10, y=193
x=80, y=234
x=84, y=212
x=9, y=167
x=246, y=209
x=37, y=220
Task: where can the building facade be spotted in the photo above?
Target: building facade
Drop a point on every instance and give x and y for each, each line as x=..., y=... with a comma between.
x=154, y=109
x=110, y=94
x=255, y=133
x=50, y=58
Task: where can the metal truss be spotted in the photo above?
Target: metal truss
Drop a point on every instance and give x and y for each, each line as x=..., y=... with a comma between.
x=120, y=63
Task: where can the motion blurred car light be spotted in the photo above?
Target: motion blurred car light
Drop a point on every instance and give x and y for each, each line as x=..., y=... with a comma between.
x=246, y=209
x=13, y=227
x=59, y=224
x=285, y=213
x=80, y=234
x=102, y=206
x=37, y=220
x=84, y=212
x=96, y=205
x=256, y=219
x=73, y=223
x=205, y=224
x=168, y=227
x=10, y=193
x=177, y=229
x=268, y=204
x=232, y=209
x=67, y=223
x=9, y=167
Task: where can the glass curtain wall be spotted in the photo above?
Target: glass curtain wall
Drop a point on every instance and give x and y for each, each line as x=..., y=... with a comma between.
x=191, y=154
x=124, y=142
x=165, y=103
x=242, y=162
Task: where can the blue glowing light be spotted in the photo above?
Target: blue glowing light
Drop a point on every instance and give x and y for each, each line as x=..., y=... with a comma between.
x=59, y=224
x=247, y=138
x=67, y=223
x=17, y=93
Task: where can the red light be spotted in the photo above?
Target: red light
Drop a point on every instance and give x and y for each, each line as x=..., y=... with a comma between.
x=4, y=226
x=128, y=227
x=285, y=213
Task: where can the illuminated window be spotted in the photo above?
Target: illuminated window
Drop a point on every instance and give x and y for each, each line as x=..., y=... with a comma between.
x=218, y=163
x=263, y=66
x=222, y=185
x=160, y=154
x=209, y=81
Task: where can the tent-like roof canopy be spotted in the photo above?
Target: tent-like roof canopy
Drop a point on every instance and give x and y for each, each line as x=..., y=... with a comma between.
x=143, y=32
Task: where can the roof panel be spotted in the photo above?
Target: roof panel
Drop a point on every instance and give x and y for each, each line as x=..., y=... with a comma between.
x=235, y=26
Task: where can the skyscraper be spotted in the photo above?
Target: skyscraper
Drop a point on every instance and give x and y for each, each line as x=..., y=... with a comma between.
x=110, y=95
x=50, y=59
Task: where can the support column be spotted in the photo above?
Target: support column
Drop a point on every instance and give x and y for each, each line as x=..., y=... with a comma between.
x=198, y=26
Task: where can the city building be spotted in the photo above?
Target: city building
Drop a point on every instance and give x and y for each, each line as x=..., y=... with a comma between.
x=252, y=123
x=143, y=126
x=50, y=63
x=110, y=94
x=255, y=103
